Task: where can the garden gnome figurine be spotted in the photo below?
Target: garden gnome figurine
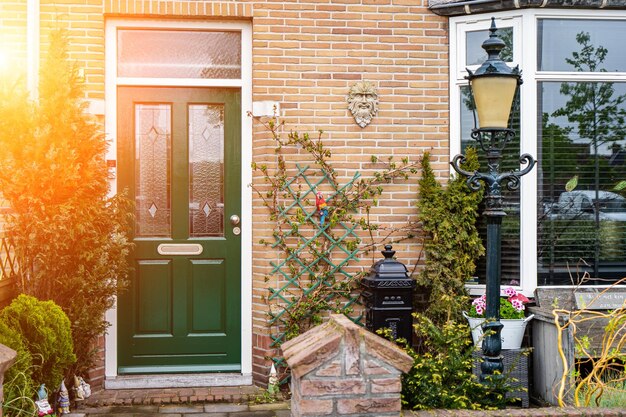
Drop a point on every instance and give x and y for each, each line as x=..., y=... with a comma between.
x=64, y=399
x=322, y=208
x=79, y=393
x=43, y=406
x=272, y=385
x=85, y=386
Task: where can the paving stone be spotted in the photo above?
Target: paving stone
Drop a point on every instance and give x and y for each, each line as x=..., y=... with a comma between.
x=181, y=409
x=283, y=413
x=269, y=406
x=225, y=408
x=160, y=415
x=206, y=415
x=75, y=415
x=253, y=414
x=144, y=409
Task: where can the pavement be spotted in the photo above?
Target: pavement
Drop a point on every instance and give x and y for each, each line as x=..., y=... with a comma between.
x=278, y=409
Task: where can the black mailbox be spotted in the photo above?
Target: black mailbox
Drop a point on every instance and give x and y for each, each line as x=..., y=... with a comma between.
x=388, y=295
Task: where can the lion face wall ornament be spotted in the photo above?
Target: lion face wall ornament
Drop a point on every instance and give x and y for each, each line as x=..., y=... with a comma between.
x=363, y=102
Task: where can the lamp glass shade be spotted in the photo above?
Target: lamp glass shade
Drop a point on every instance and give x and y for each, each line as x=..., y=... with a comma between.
x=493, y=97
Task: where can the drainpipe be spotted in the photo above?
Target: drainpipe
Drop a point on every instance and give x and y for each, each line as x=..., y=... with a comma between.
x=32, y=48
x=466, y=7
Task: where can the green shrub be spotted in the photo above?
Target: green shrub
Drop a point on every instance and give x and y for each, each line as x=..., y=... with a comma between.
x=448, y=217
x=18, y=383
x=69, y=236
x=442, y=375
x=46, y=333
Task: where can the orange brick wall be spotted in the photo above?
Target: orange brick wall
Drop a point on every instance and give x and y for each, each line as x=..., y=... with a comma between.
x=12, y=40
x=306, y=55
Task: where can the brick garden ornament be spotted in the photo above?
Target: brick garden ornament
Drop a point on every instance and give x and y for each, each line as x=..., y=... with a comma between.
x=363, y=102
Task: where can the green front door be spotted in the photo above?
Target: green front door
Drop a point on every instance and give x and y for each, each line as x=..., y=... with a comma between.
x=179, y=160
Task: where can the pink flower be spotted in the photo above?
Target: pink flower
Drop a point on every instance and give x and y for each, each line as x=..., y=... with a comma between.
x=510, y=292
x=520, y=297
x=517, y=304
x=479, y=310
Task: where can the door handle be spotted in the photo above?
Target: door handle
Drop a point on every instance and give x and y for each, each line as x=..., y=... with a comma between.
x=234, y=220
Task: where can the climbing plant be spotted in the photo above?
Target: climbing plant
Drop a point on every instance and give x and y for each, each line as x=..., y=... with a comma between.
x=312, y=274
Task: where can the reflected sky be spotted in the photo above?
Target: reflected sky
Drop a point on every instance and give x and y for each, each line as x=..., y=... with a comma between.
x=557, y=41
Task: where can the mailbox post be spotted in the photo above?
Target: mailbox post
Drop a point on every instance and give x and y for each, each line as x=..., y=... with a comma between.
x=388, y=294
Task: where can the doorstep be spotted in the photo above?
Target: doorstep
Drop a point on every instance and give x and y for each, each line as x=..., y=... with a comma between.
x=161, y=396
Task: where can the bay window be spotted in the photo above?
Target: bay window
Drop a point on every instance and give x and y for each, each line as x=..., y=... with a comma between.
x=571, y=115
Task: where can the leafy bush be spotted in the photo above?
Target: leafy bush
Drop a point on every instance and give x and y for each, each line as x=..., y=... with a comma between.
x=45, y=331
x=18, y=383
x=448, y=216
x=442, y=376
x=69, y=237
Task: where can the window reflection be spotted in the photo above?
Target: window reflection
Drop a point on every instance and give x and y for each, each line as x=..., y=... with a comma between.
x=476, y=55
x=582, y=135
x=559, y=46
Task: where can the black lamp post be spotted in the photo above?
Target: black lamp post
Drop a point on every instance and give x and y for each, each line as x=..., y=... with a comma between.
x=493, y=87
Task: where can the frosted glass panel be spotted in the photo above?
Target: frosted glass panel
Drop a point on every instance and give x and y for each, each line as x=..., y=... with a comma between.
x=152, y=169
x=206, y=170
x=178, y=54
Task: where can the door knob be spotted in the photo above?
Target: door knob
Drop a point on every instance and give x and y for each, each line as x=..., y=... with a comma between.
x=234, y=220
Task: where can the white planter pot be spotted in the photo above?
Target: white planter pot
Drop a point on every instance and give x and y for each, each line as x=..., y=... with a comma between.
x=511, y=335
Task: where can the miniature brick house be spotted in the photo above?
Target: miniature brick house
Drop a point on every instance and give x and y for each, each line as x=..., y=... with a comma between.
x=342, y=369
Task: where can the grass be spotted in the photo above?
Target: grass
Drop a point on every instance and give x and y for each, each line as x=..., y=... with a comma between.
x=611, y=393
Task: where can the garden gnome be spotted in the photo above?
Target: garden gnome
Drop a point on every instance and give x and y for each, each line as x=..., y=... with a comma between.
x=85, y=386
x=322, y=207
x=79, y=393
x=63, y=403
x=43, y=406
x=272, y=385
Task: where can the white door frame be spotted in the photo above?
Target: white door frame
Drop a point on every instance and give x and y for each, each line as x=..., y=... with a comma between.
x=112, y=81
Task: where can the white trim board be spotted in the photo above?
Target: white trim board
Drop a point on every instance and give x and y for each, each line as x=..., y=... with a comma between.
x=112, y=380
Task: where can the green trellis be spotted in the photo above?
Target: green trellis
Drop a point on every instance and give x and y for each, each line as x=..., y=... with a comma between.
x=316, y=256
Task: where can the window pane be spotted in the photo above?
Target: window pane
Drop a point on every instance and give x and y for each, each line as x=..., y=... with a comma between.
x=178, y=54
x=206, y=170
x=582, y=133
x=476, y=55
x=581, y=45
x=152, y=169
x=511, y=199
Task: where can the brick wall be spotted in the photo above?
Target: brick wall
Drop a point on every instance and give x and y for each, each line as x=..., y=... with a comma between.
x=12, y=39
x=306, y=55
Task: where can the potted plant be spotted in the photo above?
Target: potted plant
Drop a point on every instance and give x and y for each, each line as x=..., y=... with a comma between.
x=512, y=317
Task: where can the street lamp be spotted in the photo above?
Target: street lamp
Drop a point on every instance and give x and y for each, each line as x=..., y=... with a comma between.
x=493, y=87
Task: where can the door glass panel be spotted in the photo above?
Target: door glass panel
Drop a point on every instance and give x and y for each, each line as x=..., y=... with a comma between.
x=476, y=55
x=206, y=170
x=581, y=45
x=152, y=165
x=178, y=54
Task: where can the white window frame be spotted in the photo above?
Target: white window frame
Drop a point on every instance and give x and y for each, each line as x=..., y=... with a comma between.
x=524, y=23
x=112, y=81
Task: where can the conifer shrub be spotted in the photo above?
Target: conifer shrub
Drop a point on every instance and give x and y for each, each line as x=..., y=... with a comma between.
x=448, y=217
x=70, y=237
x=442, y=373
x=45, y=333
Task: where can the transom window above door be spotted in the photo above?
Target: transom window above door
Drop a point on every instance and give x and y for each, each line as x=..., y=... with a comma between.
x=178, y=54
